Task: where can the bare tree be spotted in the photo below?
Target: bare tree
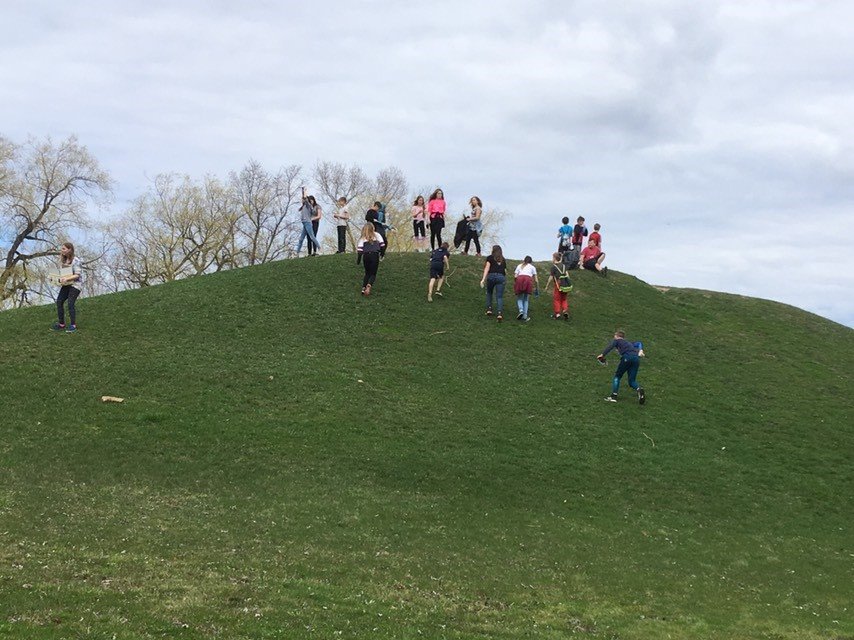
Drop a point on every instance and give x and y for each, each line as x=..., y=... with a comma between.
x=264, y=202
x=45, y=190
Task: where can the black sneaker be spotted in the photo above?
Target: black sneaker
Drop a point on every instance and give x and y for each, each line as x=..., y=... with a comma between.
x=520, y=316
x=641, y=396
x=565, y=315
x=57, y=327
x=611, y=398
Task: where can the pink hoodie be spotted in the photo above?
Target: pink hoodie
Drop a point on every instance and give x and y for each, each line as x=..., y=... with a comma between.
x=436, y=208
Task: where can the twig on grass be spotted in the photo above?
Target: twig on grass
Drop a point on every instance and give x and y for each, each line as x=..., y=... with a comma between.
x=650, y=439
x=436, y=333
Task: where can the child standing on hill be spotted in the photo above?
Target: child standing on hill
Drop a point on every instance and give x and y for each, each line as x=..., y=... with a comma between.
x=438, y=264
x=565, y=235
x=525, y=283
x=368, y=253
x=596, y=236
x=630, y=355
x=70, y=287
x=562, y=286
x=419, y=231
x=342, y=217
x=307, y=212
x=579, y=232
x=494, y=277
x=436, y=212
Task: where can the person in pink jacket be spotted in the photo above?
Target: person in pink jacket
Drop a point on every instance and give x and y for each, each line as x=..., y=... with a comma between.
x=436, y=213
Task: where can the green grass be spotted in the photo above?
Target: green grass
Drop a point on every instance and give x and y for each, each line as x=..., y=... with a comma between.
x=293, y=460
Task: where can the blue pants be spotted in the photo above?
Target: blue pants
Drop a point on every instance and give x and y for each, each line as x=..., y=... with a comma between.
x=307, y=232
x=495, y=282
x=630, y=365
x=522, y=302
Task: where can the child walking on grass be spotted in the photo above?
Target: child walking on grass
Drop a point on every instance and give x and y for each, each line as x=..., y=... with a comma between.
x=438, y=264
x=524, y=285
x=70, y=287
x=368, y=253
x=494, y=279
x=559, y=278
x=630, y=355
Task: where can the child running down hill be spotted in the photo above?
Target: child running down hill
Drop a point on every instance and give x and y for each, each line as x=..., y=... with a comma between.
x=630, y=355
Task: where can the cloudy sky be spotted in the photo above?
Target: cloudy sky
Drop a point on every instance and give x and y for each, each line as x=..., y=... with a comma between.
x=714, y=141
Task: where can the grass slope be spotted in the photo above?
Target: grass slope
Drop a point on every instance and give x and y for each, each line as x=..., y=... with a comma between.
x=293, y=460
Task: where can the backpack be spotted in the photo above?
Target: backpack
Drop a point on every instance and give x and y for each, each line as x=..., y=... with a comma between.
x=564, y=284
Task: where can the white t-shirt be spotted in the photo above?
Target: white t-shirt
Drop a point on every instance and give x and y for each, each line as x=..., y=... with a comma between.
x=526, y=270
x=342, y=213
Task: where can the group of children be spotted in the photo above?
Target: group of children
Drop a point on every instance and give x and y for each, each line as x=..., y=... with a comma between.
x=570, y=249
x=370, y=251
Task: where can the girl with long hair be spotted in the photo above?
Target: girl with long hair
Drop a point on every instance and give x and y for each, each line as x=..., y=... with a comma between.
x=368, y=253
x=436, y=212
x=70, y=285
x=494, y=279
x=525, y=283
x=419, y=230
x=475, y=226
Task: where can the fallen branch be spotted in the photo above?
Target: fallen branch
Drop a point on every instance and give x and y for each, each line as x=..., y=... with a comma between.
x=650, y=439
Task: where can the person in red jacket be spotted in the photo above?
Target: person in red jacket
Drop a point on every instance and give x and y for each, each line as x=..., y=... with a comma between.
x=592, y=258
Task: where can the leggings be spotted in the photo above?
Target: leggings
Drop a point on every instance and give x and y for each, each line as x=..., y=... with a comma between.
x=67, y=292
x=418, y=229
x=372, y=264
x=436, y=225
x=473, y=235
x=342, y=238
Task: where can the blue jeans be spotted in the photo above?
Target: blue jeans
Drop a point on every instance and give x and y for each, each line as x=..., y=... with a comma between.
x=522, y=303
x=630, y=365
x=495, y=281
x=307, y=232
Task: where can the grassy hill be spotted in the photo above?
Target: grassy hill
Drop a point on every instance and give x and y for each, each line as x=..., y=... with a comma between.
x=294, y=460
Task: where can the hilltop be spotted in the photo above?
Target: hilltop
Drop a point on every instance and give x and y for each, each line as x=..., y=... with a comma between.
x=294, y=460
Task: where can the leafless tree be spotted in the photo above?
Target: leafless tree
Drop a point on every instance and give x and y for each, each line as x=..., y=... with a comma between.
x=336, y=180
x=265, y=229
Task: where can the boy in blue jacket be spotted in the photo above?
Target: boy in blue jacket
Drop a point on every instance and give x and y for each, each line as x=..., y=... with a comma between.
x=630, y=355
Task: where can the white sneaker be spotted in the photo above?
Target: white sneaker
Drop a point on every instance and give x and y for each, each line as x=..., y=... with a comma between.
x=610, y=399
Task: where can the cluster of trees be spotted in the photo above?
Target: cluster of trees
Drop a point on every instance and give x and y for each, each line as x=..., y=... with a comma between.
x=180, y=227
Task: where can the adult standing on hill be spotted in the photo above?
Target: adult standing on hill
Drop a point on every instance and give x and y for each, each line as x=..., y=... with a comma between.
x=524, y=285
x=70, y=287
x=368, y=253
x=436, y=212
x=494, y=278
x=306, y=214
x=475, y=225
x=630, y=355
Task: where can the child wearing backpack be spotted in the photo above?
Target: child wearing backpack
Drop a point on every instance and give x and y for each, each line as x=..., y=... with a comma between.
x=562, y=286
x=438, y=264
x=565, y=235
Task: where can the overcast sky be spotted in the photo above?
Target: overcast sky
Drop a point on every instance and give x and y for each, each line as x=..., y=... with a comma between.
x=714, y=141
